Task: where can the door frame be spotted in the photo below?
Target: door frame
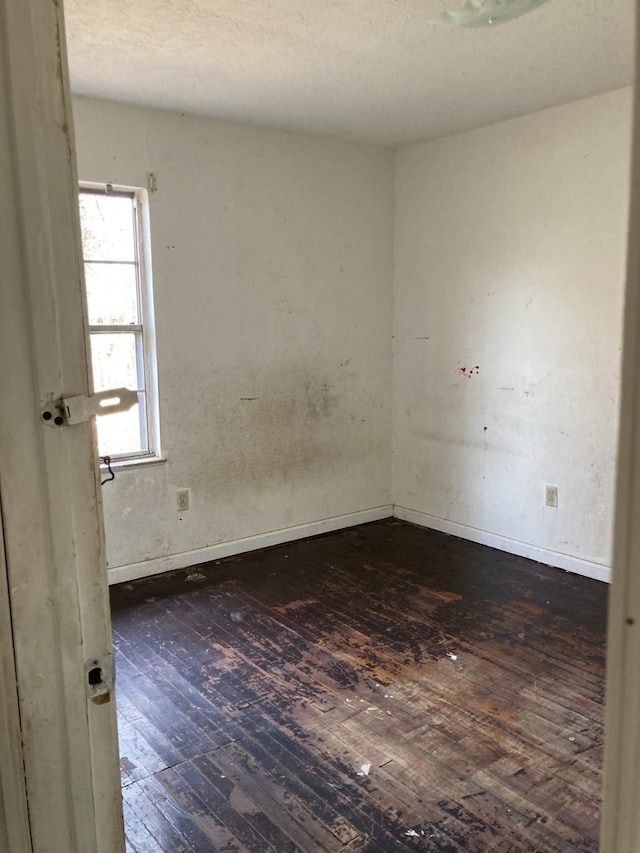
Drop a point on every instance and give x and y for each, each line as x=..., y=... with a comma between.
x=14, y=812
x=621, y=812
x=54, y=544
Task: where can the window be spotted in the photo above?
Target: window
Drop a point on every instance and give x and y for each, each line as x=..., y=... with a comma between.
x=115, y=245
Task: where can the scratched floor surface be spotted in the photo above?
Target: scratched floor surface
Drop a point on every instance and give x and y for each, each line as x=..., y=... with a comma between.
x=377, y=689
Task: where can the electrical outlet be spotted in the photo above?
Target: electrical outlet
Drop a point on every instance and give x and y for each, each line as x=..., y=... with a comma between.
x=551, y=496
x=182, y=500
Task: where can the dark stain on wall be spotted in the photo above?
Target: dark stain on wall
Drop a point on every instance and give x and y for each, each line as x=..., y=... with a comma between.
x=289, y=424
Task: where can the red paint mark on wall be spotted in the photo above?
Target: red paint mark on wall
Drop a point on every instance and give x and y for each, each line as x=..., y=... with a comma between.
x=469, y=371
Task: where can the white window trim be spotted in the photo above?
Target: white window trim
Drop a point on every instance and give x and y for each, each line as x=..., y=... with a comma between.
x=153, y=455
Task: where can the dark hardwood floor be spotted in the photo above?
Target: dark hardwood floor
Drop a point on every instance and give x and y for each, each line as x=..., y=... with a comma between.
x=377, y=689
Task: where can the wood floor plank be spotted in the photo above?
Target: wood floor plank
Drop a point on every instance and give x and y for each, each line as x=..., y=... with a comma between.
x=287, y=827
x=287, y=781
x=189, y=817
x=380, y=688
x=138, y=759
x=138, y=839
x=140, y=812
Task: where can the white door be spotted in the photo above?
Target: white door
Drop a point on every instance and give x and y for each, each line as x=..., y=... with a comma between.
x=55, y=581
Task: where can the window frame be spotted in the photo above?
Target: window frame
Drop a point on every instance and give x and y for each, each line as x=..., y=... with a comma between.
x=144, y=330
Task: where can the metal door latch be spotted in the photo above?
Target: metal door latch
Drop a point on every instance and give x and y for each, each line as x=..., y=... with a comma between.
x=99, y=679
x=68, y=411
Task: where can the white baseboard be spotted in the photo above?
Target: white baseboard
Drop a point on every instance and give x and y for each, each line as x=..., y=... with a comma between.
x=576, y=565
x=186, y=559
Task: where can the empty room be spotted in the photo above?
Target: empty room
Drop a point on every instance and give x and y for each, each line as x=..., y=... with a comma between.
x=352, y=285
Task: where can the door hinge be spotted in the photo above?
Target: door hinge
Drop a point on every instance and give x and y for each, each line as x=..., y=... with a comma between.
x=68, y=411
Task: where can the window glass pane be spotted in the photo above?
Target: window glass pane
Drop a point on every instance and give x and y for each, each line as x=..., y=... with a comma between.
x=115, y=366
x=119, y=433
x=112, y=297
x=114, y=361
x=109, y=226
x=107, y=223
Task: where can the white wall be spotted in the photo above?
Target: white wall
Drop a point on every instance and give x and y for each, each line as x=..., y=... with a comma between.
x=272, y=268
x=273, y=259
x=510, y=255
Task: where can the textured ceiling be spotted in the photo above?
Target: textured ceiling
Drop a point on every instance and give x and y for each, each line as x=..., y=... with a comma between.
x=375, y=71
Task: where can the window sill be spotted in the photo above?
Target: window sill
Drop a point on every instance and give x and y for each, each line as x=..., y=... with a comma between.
x=118, y=465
